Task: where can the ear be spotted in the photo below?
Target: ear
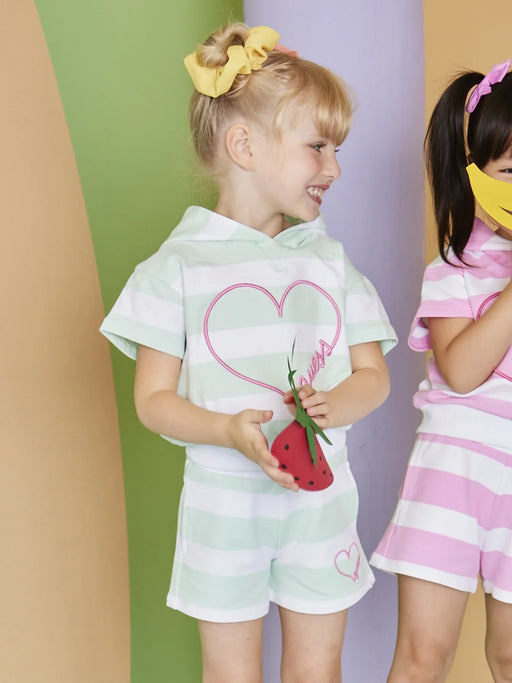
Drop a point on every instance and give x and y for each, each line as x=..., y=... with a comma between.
x=239, y=142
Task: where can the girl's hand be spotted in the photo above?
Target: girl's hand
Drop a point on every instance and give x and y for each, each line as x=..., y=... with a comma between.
x=163, y=411
x=246, y=436
x=353, y=398
x=314, y=402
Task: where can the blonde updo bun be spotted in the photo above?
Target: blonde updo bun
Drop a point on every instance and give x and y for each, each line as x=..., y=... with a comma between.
x=264, y=95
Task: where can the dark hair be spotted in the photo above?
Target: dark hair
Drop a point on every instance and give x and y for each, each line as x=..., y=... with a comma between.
x=449, y=148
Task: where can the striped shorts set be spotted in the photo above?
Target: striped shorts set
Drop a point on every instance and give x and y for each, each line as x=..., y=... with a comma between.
x=231, y=303
x=453, y=521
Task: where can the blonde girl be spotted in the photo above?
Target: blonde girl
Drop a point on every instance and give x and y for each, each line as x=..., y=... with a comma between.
x=212, y=318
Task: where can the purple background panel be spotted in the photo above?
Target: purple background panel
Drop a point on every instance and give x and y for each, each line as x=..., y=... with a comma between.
x=377, y=210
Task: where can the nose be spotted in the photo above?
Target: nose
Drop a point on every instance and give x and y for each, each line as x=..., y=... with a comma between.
x=332, y=167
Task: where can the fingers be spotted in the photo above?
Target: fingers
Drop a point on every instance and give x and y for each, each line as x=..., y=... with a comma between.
x=259, y=416
x=314, y=402
x=281, y=478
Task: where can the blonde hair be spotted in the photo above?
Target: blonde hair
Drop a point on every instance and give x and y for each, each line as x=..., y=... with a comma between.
x=265, y=95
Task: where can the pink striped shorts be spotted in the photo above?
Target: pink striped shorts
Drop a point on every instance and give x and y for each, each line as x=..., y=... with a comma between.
x=453, y=521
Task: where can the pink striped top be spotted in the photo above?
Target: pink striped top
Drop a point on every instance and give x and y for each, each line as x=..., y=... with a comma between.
x=466, y=290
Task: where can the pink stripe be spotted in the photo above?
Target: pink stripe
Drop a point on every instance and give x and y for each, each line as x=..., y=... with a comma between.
x=497, y=568
x=454, y=492
x=445, y=308
x=440, y=271
x=430, y=550
x=496, y=267
x=485, y=404
x=474, y=446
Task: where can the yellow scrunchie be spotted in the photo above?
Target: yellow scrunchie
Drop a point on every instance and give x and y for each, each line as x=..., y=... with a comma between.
x=215, y=81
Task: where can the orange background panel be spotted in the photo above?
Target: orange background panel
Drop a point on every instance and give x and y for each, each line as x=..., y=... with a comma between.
x=63, y=572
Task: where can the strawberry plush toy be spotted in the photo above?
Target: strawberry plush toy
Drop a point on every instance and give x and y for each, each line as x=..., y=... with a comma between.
x=299, y=452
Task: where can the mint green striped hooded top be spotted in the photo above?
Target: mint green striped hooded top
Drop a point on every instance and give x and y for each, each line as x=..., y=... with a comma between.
x=232, y=302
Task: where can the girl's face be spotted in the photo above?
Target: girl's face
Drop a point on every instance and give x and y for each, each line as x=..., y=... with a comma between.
x=295, y=171
x=500, y=169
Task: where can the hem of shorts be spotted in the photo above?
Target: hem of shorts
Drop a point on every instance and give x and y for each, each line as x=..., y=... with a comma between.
x=497, y=593
x=324, y=607
x=217, y=616
x=419, y=571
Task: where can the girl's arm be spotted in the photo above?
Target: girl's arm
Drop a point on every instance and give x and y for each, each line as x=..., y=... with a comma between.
x=354, y=398
x=163, y=411
x=467, y=351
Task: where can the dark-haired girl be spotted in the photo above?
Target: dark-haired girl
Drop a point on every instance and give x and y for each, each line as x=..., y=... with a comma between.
x=453, y=522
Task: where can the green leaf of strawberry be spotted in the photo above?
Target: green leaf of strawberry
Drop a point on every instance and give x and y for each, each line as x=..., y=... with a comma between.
x=297, y=449
x=303, y=418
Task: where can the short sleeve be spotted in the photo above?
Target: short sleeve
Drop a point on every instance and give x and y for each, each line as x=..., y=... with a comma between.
x=149, y=311
x=443, y=295
x=366, y=319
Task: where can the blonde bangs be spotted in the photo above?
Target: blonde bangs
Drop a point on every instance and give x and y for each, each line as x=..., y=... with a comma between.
x=321, y=94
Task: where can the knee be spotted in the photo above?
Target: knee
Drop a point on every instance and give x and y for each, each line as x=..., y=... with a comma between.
x=500, y=661
x=420, y=662
x=326, y=672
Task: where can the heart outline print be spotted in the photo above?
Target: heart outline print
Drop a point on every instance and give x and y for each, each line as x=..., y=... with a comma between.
x=318, y=360
x=344, y=557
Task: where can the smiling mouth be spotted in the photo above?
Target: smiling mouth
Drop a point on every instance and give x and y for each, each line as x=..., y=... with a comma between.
x=316, y=192
x=507, y=210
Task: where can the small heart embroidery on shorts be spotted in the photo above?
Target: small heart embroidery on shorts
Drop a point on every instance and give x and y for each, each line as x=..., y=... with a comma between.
x=347, y=562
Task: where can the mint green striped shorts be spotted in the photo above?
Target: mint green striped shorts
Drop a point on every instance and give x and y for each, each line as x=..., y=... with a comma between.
x=243, y=541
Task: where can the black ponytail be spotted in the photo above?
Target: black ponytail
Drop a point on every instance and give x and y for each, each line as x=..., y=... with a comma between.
x=445, y=153
x=447, y=148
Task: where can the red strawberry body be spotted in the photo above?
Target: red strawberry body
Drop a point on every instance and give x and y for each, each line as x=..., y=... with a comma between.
x=291, y=448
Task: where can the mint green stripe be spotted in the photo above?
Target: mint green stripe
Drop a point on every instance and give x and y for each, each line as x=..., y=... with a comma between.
x=222, y=592
x=326, y=582
x=304, y=526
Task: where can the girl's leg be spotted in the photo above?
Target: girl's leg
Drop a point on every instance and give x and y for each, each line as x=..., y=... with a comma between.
x=312, y=645
x=232, y=652
x=498, y=640
x=429, y=622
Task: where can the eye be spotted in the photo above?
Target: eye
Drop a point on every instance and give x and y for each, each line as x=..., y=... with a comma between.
x=318, y=146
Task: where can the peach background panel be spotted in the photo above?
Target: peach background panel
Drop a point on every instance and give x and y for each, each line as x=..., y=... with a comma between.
x=460, y=35
x=63, y=572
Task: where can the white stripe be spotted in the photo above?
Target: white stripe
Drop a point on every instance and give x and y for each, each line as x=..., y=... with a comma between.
x=259, y=340
x=364, y=308
x=498, y=540
x=462, y=583
x=437, y=290
x=426, y=517
x=149, y=310
x=489, y=285
x=457, y=460
x=223, y=562
x=238, y=562
x=200, y=282
x=240, y=505
x=466, y=423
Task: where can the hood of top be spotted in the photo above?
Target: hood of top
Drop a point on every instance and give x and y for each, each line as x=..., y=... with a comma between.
x=202, y=225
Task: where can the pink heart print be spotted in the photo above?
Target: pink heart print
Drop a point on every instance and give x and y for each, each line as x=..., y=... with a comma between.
x=347, y=562
x=504, y=369
x=322, y=349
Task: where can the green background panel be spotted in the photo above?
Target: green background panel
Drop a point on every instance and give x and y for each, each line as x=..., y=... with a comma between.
x=119, y=67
